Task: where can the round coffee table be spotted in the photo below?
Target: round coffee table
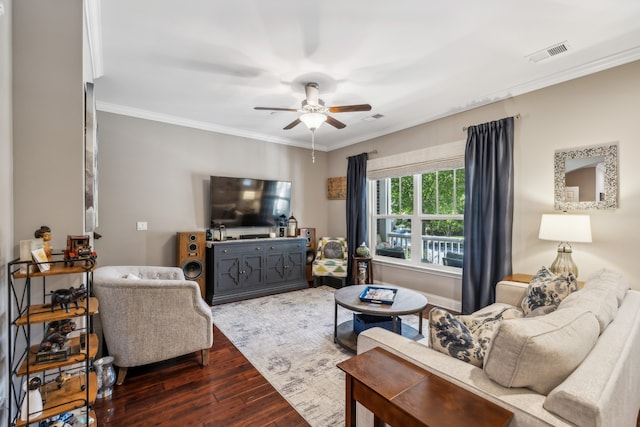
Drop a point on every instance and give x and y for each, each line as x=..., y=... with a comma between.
x=405, y=302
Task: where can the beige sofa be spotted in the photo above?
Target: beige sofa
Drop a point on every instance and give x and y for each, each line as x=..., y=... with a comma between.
x=151, y=314
x=604, y=389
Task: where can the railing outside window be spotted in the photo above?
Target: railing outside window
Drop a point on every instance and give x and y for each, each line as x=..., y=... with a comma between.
x=434, y=248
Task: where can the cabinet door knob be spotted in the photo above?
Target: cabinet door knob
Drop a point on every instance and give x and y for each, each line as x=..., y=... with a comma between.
x=224, y=251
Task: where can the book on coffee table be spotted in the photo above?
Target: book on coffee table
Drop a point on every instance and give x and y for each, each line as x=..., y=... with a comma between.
x=378, y=295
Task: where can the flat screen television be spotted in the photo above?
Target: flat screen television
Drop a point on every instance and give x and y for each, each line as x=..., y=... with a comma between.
x=248, y=202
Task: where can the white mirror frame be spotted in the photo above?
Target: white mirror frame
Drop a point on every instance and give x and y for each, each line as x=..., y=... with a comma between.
x=610, y=153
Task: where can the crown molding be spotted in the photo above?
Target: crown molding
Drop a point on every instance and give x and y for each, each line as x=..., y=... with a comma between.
x=195, y=124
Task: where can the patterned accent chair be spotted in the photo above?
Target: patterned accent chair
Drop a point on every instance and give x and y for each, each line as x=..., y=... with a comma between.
x=332, y=259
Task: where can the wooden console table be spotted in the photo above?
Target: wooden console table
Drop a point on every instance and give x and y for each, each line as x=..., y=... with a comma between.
x=400, y=393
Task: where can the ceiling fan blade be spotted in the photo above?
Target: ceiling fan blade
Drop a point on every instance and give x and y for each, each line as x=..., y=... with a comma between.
x=335, y=123
x=350, y=108
x=275, y=109
x=292, y=124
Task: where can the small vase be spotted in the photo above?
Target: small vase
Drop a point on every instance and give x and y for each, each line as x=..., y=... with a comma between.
x=106, y=376
x=32, y=403
x=362, y=250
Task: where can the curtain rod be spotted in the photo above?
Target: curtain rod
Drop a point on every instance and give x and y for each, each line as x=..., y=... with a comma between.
x=464, y=128
x=368, y=152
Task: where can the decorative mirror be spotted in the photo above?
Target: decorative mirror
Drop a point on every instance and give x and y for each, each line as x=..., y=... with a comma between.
x=586, y=178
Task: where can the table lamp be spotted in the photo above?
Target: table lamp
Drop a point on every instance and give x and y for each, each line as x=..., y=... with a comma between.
x=565, y=228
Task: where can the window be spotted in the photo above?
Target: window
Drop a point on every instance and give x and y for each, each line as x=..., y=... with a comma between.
x=419, y=216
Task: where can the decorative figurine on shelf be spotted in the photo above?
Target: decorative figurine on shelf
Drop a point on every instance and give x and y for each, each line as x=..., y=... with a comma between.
x=63, y=326
x=44, y=233
x=64, y=297
x=363, y=250
x=52, y=342
x=78, y=248
x=53, y=347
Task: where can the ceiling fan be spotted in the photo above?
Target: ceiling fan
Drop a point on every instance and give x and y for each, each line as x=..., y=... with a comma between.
x=314, y=112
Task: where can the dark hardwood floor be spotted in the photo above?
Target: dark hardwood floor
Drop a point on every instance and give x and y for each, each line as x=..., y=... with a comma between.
x=178, y=392
x=229, y=392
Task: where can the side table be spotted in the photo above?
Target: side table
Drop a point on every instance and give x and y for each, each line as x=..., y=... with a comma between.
x=526, y=278
x=400, y=393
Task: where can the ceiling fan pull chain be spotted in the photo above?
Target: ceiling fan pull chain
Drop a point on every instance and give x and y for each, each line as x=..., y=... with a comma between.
x=313, y=146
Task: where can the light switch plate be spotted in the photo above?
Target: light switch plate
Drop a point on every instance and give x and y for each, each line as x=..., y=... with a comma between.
x=141, y=226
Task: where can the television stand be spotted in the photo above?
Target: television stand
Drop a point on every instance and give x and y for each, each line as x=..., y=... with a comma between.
x=243, y=269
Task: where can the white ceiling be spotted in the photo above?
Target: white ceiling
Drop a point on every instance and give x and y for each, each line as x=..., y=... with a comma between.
x=207, y=63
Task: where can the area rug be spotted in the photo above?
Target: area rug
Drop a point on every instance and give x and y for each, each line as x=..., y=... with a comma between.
x=289, y=339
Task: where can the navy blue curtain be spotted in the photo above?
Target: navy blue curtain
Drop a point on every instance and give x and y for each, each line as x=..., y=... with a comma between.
x=488, y=213
x=356, y=205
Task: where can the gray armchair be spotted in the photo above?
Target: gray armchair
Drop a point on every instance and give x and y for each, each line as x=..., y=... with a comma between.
x=151, y=314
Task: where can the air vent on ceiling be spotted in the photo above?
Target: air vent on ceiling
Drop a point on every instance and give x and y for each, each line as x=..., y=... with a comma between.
x=373, y=117
x=554, y=50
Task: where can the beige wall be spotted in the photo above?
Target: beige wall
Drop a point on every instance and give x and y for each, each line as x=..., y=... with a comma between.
x=6, y=191
x=159, y=173
x=596, y=109
x=48, y=113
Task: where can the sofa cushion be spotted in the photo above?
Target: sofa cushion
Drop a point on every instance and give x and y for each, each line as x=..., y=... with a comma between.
x=540, y=352
x=541, y=311
x=608, y=278
x=547, y=289
x=448, y=335
x=599, y=300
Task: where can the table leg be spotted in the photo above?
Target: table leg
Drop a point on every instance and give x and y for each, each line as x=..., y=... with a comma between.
x=420, y=321
x=335, y=322
x=350, y=407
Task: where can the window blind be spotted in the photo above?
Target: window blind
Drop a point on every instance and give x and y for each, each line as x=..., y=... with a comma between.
x=430, y=159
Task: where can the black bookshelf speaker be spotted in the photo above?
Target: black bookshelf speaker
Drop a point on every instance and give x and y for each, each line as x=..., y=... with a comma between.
x=191, y=257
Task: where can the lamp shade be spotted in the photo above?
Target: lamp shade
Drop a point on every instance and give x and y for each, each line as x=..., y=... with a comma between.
x=565, y=228
x=313, y=120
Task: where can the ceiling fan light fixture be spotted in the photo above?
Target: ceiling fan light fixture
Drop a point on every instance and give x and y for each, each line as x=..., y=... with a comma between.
x=313, y=120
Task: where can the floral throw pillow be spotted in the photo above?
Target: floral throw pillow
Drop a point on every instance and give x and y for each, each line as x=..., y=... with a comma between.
x=547, y=289
x=450, y=336
x=483, y=325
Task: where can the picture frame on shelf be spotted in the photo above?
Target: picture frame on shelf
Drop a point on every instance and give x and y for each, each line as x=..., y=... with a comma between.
x=40, y=257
